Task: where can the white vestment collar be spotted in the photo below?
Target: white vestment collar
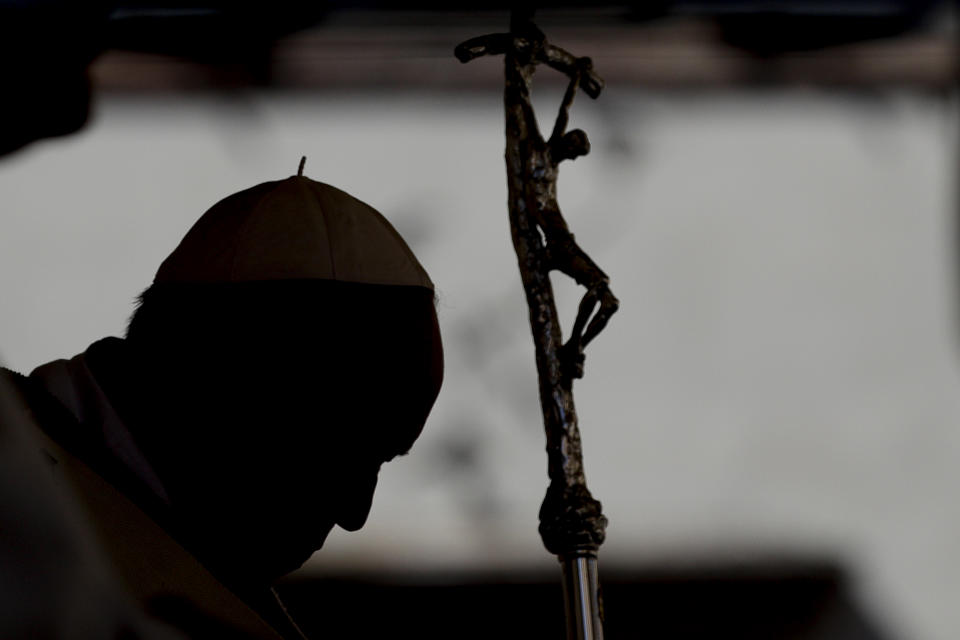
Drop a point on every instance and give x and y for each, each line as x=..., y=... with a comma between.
x=73, y=384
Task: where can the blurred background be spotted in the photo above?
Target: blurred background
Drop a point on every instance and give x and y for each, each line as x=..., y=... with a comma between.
x=772, y=421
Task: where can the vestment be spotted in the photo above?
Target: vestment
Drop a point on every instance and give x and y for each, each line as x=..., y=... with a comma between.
x=89, y=453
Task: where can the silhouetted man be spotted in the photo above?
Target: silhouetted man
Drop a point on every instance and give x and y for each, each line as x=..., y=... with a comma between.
x=286, y=349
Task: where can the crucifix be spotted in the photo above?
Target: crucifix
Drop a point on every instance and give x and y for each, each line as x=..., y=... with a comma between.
x=572, y=525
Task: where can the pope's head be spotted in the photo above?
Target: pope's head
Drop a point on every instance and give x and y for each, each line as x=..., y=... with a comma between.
x=289, y=347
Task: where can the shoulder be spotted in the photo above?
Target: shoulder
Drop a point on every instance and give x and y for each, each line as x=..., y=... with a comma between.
x=11, y=380
x=44, y=410
x=18, y=391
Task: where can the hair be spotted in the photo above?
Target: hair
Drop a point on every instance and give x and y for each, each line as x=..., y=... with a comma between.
x=262, y=324
x=172, y=311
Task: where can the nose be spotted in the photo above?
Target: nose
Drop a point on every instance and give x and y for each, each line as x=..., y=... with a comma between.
x=355, y=507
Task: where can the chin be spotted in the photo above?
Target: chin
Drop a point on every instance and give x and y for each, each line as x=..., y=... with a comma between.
x=285, y=566
x=295, y=554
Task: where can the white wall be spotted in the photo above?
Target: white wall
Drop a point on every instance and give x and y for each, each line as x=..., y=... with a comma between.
x=782, y=377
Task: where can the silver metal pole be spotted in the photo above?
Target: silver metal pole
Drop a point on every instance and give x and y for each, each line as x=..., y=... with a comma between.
x=581, y=599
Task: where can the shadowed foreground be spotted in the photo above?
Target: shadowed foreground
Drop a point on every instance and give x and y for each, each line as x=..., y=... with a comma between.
x=789, y=601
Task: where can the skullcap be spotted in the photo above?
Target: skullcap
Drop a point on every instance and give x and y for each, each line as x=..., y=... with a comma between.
x=293, y=229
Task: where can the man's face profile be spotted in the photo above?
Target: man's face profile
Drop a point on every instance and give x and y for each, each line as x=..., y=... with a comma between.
x=295, y=395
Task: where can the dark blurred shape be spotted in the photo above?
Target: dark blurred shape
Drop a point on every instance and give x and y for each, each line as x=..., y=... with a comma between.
x=45, y=48
x=798, y=600
x=404, y=50
x=769, y=28
x=237, y=39
x=208, y=31
x=47, y=45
